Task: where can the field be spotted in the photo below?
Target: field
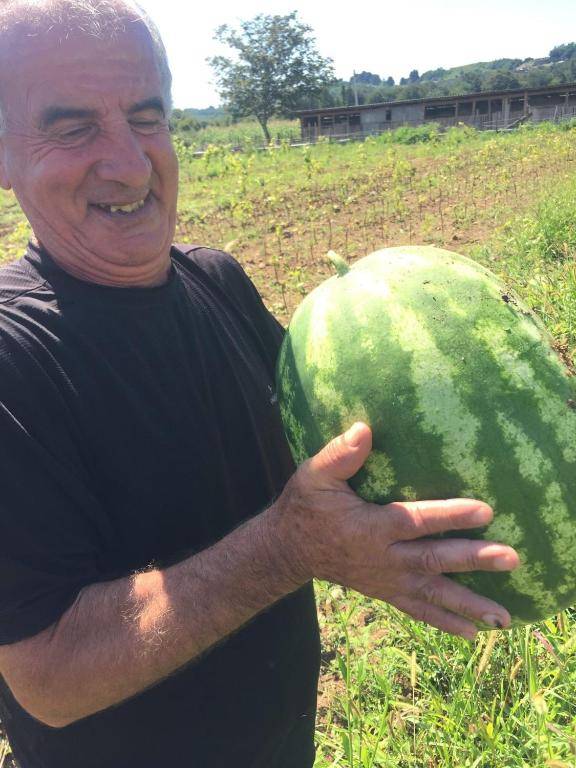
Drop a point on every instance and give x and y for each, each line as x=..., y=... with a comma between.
x=393, y=692
x=246, y=134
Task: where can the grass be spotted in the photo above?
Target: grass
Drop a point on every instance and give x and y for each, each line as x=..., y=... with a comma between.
x=397, y=694
x=536, y=253
x=245, y=135
x=394, y=693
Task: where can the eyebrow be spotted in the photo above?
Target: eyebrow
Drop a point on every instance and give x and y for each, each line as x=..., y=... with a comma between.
x=155, y=102
x=54, y=114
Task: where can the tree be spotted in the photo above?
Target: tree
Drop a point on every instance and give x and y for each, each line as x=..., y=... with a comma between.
x=390, y=81
x=275, y=68
x=562, y=52
x=472, y=81
x=433, y=74
x=539, y=78
x=366, y=78
x=413, y=91
x=414, y=76
x=502, y=81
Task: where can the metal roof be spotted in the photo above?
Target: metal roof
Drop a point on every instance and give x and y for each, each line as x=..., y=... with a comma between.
x=442, y=99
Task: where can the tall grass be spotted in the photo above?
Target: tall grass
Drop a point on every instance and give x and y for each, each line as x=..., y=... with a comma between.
x=403, y=695
x=245, y=135
x=536, y=252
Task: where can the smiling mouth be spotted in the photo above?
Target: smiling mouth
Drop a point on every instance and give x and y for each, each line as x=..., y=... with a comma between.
x=121, y=210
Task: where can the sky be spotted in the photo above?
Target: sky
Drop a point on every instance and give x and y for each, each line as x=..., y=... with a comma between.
x=381, y=37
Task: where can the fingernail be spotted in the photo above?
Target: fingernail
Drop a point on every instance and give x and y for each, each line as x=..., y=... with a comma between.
x=481, y=516
x=503, y=563
x=352, y=436
x=492, y=621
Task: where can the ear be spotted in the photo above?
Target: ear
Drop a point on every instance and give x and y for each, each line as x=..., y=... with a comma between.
x=4, y=179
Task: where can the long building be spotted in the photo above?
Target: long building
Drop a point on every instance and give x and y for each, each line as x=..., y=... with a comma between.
x=484, y=110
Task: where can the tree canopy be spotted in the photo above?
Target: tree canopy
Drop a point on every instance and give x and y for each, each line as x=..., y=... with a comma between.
x=275, y=67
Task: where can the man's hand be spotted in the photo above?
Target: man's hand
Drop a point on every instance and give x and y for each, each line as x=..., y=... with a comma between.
x=382, y=551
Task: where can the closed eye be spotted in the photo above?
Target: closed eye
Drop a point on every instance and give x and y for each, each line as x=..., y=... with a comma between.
x=75, y=134
x=148, y=126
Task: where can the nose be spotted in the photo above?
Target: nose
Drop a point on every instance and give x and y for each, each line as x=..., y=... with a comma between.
x=123, y=158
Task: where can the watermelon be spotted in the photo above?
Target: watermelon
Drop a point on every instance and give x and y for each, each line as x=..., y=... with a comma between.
x=466, y=397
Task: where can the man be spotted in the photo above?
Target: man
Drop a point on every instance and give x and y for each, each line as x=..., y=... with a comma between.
x=156, y=606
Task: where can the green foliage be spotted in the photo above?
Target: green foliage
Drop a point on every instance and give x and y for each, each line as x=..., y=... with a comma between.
x=537, y=253
x=400, y=695
x=549, y=233
x=562, y=52
x=500, y=74
x=368, y=78
x=411, y=135
x=433, y=74
x=245, y=135
x=502, y=81
x=275, y=66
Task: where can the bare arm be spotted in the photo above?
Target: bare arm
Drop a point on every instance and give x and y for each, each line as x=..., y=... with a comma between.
x=123, y=636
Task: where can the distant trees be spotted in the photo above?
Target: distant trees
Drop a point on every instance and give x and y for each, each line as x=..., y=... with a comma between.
x=433, y=74
x=366, y=78
x=472, y=81
x=502, y=81
x=414, y=91
x=275, y=66
x=563, y=52
x=538, y=78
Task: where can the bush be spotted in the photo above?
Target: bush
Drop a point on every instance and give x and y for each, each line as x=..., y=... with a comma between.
x=411, y=135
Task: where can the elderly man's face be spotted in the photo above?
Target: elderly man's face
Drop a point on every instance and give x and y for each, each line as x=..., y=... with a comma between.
x=86, y=132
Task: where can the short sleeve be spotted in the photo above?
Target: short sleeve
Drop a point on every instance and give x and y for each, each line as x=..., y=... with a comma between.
x=224, y=270
x=48, y=535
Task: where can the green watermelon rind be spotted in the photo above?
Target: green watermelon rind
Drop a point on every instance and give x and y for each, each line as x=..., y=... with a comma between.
x=465, y=395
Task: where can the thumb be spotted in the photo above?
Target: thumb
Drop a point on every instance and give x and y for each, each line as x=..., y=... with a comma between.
x=342, y=457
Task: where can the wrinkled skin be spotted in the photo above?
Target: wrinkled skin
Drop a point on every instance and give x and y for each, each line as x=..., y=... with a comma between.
x=108, y=143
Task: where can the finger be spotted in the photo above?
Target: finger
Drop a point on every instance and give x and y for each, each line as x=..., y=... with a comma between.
x=454, y=556
x=342, y=457
x=445, y=593
x=437, y=617
x=416, y=519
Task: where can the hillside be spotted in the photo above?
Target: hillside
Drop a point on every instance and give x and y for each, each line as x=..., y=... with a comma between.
x=502, y=74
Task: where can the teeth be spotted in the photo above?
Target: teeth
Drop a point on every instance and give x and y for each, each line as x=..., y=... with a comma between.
x=123, y=208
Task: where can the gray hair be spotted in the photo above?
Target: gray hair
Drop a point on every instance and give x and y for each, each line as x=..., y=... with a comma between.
x=97, y=18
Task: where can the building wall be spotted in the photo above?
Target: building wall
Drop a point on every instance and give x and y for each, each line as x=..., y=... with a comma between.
x=482, y=113
x=381, y=116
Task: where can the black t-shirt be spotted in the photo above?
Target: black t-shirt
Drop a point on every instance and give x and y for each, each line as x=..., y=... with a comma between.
x=138, y=426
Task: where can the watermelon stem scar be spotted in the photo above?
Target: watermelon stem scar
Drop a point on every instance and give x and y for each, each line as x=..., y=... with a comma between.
x=338, y=263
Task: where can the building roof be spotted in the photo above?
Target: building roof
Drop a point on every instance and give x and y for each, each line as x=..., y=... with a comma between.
x=443, y=99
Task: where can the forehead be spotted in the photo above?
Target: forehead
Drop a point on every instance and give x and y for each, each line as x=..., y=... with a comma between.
x=79, y=70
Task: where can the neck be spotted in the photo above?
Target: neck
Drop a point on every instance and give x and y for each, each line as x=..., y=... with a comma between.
x=113, y=275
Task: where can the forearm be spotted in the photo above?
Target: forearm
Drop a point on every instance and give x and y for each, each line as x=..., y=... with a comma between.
x=122, y=637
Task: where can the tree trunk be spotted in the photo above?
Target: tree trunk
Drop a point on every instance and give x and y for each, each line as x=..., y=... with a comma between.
x=264, y=125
